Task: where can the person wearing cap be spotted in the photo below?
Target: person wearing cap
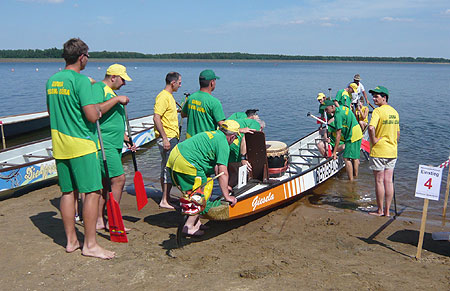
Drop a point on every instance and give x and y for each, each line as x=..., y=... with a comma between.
x=204, y=112
x=321, y=98
x=112, y=126
x=343, y=96
x=360, y=91
x=346, y=127
x=238, y=149
x=73, y=112
x=203, y=155
x=384, y=133
x=362, y=113
x=165, y=119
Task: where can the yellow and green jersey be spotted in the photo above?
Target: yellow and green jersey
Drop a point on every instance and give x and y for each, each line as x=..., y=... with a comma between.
x=345, y=120
x=343, y=98
x=112, y=123
x=386, y=121
x=72, y=134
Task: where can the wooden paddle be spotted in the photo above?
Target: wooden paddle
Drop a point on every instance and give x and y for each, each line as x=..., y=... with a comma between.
x=116, y=227
x=141, y=195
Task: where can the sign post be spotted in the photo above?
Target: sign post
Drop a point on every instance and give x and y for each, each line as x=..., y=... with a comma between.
x=428, y=187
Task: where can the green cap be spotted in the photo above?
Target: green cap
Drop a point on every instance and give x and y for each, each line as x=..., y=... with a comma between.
x=208, y=75
x=326, y=103
x=380, y=89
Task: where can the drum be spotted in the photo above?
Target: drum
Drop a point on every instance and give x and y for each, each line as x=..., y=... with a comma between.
x=277, y=158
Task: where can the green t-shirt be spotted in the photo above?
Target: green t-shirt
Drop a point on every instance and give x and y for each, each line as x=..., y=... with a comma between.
x=112, y=123
x=345, y=120
x=237, y=115
x=72, y=134
x=205, y=150
x=203, y=111
x=343, y=98
x=235, y=146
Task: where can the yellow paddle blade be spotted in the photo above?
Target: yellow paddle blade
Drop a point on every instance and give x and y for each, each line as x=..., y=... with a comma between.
x=208, y=188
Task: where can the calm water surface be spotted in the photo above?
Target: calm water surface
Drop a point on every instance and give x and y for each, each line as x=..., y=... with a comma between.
x=284, y=93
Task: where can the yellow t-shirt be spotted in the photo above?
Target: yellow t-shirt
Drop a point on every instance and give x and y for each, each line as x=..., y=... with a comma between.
x=359, y=114
x=166, y=107
x=385, y=119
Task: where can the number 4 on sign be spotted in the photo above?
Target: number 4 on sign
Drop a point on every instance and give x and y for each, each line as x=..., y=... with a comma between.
x=428, y=183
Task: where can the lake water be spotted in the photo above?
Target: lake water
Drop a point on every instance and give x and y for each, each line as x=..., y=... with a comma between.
x=284, y=93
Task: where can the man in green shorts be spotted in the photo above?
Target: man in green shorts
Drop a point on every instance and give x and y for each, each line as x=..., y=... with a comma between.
x=204, y=112
x=344, y=96
x=203, y=155
x=73, y=112
x=384, y=133
x=112, y=125
x=346, y=128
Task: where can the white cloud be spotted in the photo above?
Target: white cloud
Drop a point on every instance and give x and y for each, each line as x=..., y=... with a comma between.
x=447, y=12
x=396, y=19
x=327, y=24
x=105, y=19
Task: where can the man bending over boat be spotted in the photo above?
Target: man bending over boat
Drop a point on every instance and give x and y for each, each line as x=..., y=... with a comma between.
x=202, y=155
x=238, y=148
x=346, y=128
x=73, y=112
x=343, y=97
x=204, y=112
x=384, y=133
x=165, y=119
x=112, y=126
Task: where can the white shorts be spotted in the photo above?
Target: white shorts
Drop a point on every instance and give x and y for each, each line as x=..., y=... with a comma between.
x=381, y=164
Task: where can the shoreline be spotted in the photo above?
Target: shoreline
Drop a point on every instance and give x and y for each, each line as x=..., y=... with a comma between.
x=303, y=245
x=93, y=60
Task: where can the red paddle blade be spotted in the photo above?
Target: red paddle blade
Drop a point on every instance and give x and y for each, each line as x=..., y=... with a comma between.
x=365, y=145
x=141, y=196
x=116, y=227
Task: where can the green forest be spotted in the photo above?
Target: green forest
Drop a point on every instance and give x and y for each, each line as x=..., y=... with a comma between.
x=56, y=53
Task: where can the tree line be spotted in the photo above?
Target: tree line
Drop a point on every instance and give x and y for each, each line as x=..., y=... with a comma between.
x=56, y=53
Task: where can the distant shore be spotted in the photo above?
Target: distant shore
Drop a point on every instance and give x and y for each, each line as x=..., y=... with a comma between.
x=93, y=60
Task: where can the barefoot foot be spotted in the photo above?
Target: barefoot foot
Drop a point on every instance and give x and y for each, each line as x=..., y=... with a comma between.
x=166, y=205
x=70, y=248
x=98, y=252
x=376, y=213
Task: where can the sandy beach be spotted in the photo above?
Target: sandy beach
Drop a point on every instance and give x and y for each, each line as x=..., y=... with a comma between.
x=296, y=247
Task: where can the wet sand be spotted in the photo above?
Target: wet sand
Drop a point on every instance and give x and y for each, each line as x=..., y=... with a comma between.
x=296, y=247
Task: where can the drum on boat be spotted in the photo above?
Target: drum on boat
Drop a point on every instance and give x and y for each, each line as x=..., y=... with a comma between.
x=277, y=158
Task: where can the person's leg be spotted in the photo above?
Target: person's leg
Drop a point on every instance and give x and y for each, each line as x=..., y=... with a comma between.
x=192, y=226
x=379, y=191
x=321, y=148
x=90, y=246
x=101, y=219
x=349, y=168
x=117, y=184
x=356, y=167
x=166, y=181
x=388, y=189
x=67, y=208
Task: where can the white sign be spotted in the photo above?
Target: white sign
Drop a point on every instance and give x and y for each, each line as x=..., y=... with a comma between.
x=429, y=182
x=242, y=178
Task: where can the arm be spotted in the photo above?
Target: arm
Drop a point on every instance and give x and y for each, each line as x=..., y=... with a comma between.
x=107, y=105
x=398, y=136
x=223, y=183
x=372, y=137
x=92, y=112
x=244, y=153
x=160, y=129
x=338, y=138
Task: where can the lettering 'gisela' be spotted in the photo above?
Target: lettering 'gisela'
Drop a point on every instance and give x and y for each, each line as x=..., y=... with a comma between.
x=259, y=201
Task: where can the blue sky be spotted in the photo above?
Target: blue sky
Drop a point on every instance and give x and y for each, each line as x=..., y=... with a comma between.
x=314, y=27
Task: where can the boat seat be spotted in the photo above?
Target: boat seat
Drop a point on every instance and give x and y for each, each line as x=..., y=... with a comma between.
x=9, y=164
x=37, y=156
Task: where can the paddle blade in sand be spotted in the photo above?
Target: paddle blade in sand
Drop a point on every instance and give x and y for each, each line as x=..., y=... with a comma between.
x=141, y=196
x=116, y=227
